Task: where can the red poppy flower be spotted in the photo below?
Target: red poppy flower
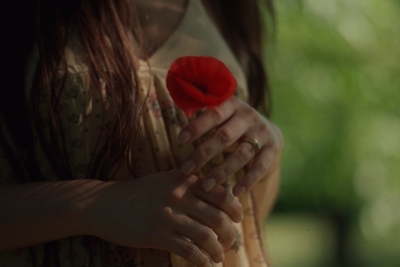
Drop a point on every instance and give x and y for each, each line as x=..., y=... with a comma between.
x=201, y=82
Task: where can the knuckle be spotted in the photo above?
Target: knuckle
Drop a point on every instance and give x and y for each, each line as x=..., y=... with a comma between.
x=219, y=219
x=263, y=167
x=229, y=236
x=216, y=114
x=205, y=235
x=198, y=127
x=245, y=153
x=232, y=235
x=265, y=129
x=226, y=135
x=189, y=251
x=204, y=153
x=226, y=196
x=220, y=175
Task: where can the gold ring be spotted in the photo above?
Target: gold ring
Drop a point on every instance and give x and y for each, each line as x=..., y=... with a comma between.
x=254, y=143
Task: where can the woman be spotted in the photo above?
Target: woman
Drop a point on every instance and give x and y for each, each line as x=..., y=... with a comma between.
x=90, y=165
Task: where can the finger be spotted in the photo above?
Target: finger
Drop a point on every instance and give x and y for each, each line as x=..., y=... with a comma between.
x=208, y=120
x=222, y=199
x=234, y=162
x=265, y=160
x=221, y=139
x=216, y=220
x=241, y=156
x=187, y=250
x=201, y=235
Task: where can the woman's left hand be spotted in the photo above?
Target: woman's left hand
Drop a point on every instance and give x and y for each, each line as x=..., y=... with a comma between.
x=234, y=122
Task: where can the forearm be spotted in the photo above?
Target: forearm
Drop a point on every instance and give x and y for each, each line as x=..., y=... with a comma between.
x=38, y=212
x=266, y=191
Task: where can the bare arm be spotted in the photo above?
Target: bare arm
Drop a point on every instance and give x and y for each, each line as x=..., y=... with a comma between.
x=267, y=188
x=266, y=191
x=38, y=212
x=156, y=211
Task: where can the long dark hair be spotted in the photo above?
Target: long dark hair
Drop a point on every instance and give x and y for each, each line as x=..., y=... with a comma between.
x=242, y=23
x=49, y=24
x=97, y=23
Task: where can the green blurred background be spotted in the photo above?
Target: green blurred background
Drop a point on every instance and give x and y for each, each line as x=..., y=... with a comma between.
x=335, y=72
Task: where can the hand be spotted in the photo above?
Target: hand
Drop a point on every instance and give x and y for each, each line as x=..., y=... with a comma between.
x=163, y=211
x=233, y=122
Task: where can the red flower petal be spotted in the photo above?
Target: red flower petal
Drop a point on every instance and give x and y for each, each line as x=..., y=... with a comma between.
x=199, y=82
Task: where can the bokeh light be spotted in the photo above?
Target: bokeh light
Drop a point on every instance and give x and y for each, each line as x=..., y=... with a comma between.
x=335, y=73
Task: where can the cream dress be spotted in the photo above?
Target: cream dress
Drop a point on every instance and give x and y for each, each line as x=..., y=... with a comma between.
x=85, y=126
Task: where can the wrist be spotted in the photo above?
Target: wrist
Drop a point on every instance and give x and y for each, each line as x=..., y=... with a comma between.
x=87, y=208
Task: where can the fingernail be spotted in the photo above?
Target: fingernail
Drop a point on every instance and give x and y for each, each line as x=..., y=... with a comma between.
x=209, y=184
x=239, y=191
x=188, y=167
x=184, y=136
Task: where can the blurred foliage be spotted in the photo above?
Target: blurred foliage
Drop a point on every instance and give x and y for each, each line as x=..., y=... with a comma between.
x=335, y=73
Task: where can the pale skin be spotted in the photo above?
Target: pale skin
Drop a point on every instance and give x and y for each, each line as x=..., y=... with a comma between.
x=177, y=203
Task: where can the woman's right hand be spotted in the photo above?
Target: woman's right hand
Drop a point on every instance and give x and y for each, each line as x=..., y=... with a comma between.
x=166, y=211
